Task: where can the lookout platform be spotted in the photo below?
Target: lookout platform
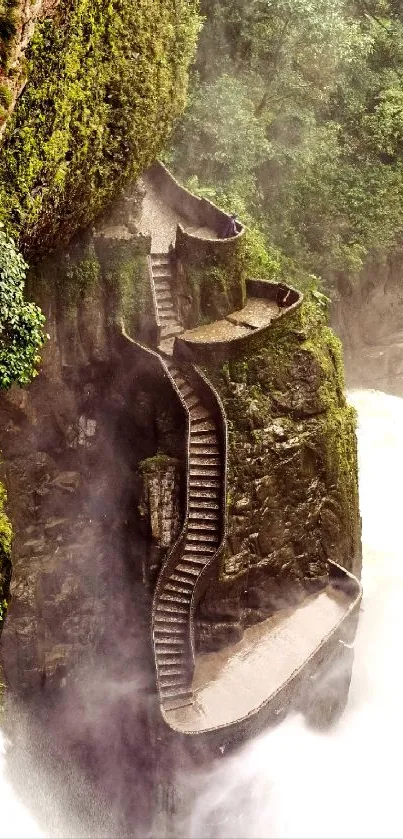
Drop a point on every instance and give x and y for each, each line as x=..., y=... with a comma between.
x=256, y=314
x=237, y=683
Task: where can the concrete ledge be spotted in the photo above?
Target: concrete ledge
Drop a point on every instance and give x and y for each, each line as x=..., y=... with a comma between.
x=334, y=637
x=240, y=338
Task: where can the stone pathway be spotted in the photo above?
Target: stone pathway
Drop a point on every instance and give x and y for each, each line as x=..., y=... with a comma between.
x=161, y=220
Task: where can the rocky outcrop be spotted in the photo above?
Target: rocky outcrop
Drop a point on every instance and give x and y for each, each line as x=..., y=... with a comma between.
x=72, y=447
x=293, y=493
x=368, y=317
x=85, y=124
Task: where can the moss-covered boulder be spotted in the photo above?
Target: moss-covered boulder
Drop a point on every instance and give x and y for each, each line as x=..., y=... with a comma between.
x=106, y=81
x=5, y=553
x=293, y=478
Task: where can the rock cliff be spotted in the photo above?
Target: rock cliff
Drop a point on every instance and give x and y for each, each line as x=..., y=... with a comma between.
x=368, y=317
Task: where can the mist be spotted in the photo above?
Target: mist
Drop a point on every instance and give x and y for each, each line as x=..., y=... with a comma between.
x=293, y=781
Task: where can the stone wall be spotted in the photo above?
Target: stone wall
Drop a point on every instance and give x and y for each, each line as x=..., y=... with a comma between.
x=207, y=352
x=210, y=278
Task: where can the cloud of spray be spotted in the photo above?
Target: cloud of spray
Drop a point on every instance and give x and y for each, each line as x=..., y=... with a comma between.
x=293, y=782
x=290, y=782
x=78, y=759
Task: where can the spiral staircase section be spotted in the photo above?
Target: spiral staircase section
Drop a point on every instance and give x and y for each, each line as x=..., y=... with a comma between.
x=204, y=525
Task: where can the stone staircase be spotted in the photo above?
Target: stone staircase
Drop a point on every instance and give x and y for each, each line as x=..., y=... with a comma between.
x=204, y=526
x=162, y=277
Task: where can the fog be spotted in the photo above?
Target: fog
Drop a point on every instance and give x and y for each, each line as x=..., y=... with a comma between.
x=292, y=781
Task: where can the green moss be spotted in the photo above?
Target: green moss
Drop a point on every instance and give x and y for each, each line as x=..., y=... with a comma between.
x=294, y=382
x=9, y=20
x=5, y=96
x=125, y=271
x=159, y=462
x=106, y=81
x=5, y=555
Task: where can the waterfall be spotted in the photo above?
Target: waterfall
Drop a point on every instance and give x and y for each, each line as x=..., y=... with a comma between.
x=15, y=820
x=293, y=781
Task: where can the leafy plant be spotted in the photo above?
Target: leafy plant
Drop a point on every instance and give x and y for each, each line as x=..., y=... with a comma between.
x=21, y=322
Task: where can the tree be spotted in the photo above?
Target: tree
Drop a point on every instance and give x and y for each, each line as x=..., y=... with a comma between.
x=321, y=162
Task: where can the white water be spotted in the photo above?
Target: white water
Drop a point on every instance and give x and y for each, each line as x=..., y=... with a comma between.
x=15, y=821
x=293, y=782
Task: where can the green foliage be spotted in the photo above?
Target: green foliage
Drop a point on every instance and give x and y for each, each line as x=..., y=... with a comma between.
x=106, y=82
x=310, y=98
x=5, y=552
x=9, y=19
x=21, y=323
x=5, y=96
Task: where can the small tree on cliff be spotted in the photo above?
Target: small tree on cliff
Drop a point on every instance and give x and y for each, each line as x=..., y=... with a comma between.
x=21, y=323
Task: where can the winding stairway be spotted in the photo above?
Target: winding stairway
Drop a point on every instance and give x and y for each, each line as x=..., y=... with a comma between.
x=204, y=527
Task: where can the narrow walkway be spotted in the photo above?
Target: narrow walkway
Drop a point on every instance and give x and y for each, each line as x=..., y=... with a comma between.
x=161, y=220
x=172, y=630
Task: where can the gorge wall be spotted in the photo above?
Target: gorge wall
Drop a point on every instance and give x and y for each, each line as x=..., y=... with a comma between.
x=368, y=317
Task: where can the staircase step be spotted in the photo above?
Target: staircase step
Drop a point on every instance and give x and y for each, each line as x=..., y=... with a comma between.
x=200, y=426
x=172, y=600
x=201, y=498
x=204, y=449
x=175, y=704
x=173, y=681
x=198, y=440
x=160, y=266
x=169, y=693
x=170, y=670
x=192, y=570
x=192, y=400
x=174, y=587
x=203, y=460
x=170, y=331
x=170, y=642
x=173, y=659
x=197, y=534
x=202, y=414
x=171, y=618
x=169, y=631
x=203, y=518
x=204, y=481
x=194, y=550
x=167, y=315
x=158, y=261
x=180, y=578
x=164, y=294
x=166, y=309
x=168, y=319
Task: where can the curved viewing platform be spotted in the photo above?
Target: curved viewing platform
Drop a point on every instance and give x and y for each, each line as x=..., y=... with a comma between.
x=226, y=689
x=222, y=338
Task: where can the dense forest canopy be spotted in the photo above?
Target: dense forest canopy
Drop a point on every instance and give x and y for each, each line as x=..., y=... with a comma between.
x=296, y=120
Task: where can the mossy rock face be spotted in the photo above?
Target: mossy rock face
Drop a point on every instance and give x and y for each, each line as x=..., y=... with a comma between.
x=5, y=554
x=106, y=81
x=293, y=475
